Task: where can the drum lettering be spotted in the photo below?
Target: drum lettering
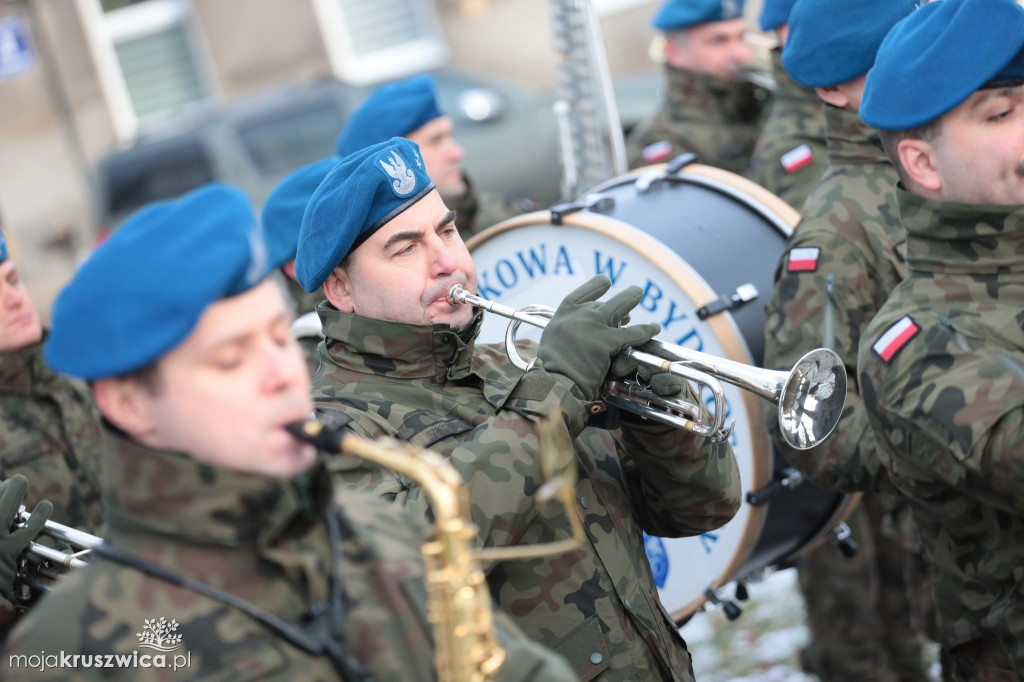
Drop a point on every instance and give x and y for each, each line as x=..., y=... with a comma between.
x=563, y=261
x=672, y=317
x=541, y=264
x=693, y=334
x=652, y=294
x=484, y=288
x=707, y=541
x=513, y=276
x=608, y=267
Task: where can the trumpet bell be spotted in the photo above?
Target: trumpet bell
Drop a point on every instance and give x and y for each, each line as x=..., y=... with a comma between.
x=812, y=399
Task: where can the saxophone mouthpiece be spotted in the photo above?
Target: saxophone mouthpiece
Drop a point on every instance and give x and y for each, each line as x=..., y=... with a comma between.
x=326, y=431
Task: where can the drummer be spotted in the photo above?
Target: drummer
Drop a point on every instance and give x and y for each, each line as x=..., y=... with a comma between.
x=400, y=361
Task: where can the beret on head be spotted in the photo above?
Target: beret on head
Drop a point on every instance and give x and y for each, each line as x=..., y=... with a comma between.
x=282, y=211
x=832, y=42
x=356, y=198
x=674, y=15
x=143, y=290
x=393, y=110
x=938, y=57
x=4, y=254
x=774, y=13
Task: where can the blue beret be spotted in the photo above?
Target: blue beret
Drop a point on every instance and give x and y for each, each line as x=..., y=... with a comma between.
x=679, y=14
x=834, y=41
x=393, y=110
x=358, y=196
x=3, y=248
x=774, y=13
x=940, y=55
x=142, y=291
x=283, y=209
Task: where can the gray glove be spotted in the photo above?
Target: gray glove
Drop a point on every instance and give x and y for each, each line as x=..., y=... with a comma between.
x=584, y=335
x=14, y=543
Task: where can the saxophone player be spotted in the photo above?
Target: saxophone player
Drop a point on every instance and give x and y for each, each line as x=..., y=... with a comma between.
x=399, y=360
x=226, y=553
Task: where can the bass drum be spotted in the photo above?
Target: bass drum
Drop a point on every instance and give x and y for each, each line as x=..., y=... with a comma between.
x=702, y=243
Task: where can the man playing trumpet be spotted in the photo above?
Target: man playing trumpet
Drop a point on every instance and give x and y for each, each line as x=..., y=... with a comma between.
x=225, y=556
x=399, y=360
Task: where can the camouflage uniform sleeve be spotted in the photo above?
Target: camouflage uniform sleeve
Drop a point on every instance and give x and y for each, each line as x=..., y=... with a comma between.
x=682, y=484
x=822, y=298
x=498, y=460
x=952, y=411
x=527, y=661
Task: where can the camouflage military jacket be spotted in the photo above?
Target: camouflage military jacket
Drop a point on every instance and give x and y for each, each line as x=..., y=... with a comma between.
x=307, y=331
x=716, y=119
x=264, y=540
x=50, y=433
x=597, y=605
x=942, y=374
x=789, y=158
x=839, y=266
x=475, y=211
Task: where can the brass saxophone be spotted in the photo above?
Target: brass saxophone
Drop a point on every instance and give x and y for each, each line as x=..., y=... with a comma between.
x=467, y=646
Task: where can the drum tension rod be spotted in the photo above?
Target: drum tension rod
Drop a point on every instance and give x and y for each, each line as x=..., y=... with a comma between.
x=646, y=181
x=790, y=479
x=599, y=203
x=730, y=608
x=842, y=537
x=745, y=293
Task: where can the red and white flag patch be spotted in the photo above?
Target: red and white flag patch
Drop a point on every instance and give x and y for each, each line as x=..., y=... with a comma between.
x=803, y=259
x=895, y=338
x=657, y=152
x=797, y=158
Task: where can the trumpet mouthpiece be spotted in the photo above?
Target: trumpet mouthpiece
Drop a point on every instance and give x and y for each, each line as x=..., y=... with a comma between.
x=456, y=294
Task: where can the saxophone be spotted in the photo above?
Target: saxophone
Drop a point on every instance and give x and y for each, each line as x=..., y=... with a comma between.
x=467, y=646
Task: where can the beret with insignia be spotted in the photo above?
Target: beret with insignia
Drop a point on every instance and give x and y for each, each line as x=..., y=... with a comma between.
x=674, y=15
x=356, y=198
x=936, y=58
x=143, y=290
x=832, y=42
x=393, y=110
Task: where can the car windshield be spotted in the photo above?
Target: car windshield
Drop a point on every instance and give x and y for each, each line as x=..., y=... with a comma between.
x=137, y=180
x=282, y=141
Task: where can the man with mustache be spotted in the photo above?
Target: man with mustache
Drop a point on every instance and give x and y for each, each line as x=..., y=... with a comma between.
x=710, y=105
x=400, y=360
x=225, y=545
x=941, y=366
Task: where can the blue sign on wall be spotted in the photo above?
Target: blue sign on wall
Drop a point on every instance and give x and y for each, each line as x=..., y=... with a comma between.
x=16, y=53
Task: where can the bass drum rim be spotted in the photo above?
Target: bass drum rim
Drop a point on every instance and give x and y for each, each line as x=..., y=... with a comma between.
x=722, y=327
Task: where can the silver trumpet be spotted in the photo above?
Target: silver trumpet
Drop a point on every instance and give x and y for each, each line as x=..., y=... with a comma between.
x=81, y=542
x=810, y=397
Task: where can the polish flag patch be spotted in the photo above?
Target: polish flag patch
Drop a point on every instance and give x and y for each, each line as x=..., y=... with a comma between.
x=804, y=259
x=895, y=338
x=797, y=158
x=657, y=152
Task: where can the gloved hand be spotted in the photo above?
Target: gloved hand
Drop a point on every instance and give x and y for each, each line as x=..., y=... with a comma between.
x=13, y=543
x=664, y=384
x=584, y=335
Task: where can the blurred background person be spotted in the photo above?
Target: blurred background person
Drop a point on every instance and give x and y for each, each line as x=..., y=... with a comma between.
x=709, y=106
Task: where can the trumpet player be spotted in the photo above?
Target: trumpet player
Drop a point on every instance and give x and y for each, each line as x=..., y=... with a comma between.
x=224, y=549
x=399, y=360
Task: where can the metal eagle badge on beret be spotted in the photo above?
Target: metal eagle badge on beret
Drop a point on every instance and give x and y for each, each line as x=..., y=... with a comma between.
x=403, y=179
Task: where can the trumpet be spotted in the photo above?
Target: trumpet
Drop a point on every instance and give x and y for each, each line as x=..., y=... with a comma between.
x=810, y=397
x=43, y=566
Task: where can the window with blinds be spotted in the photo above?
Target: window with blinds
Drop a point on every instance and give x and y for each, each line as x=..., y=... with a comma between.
x=374, y=41
x=154, y=46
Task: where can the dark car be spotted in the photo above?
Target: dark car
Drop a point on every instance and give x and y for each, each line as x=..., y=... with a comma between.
x=508, y=132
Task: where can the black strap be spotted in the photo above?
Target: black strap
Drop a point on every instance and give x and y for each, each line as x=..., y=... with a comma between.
x=315, y=634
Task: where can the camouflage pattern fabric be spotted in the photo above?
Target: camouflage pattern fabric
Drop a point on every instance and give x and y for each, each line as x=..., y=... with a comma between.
x=475, y=211
x=838, y=267
x=940, y=369
x=716, y=119
x=262, y=539
x=780, y=163
x=597, y=605
x=50, y=433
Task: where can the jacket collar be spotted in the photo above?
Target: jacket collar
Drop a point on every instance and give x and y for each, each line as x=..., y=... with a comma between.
x=397, y=349
x=23, y=371
x=951, y=237
x=850, y=140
